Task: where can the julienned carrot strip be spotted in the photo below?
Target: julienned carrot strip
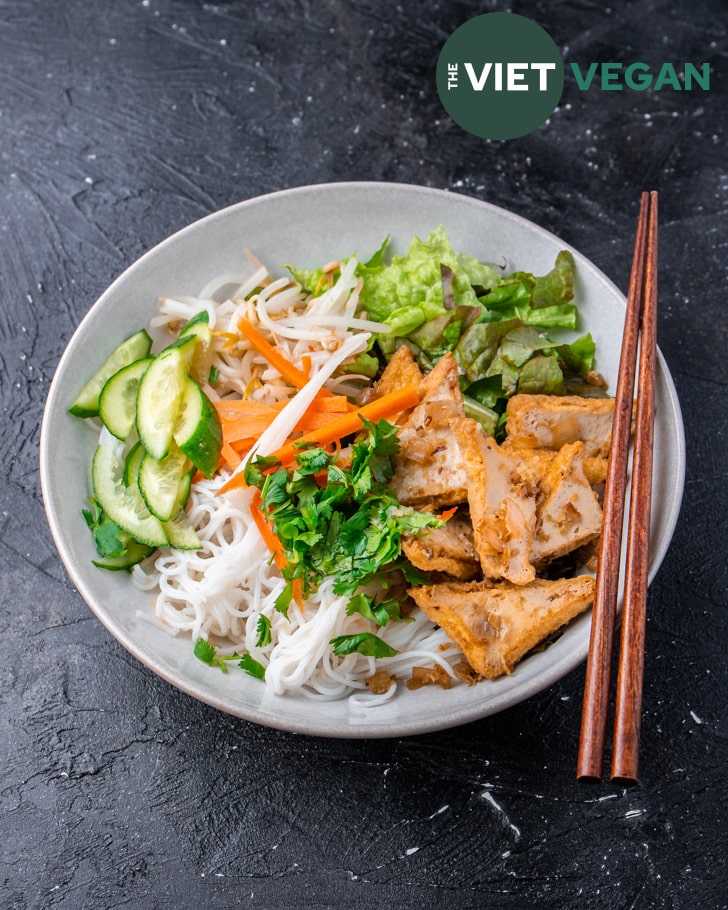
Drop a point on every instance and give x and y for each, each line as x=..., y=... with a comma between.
x=297, y=590
x=287, y=370
x=241, y=446
x=337, y=429
x=230, y=455
x=257, y=413
x=242, y=407
x=266, y=532
x=274, y=544
x=333, y=404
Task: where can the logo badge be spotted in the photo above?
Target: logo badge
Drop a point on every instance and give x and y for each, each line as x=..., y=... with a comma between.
x=500, y=76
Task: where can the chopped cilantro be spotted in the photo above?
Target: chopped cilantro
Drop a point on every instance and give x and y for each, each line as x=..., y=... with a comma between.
x=207, y=653
x=365, y=643
x=263, y=629
x=251, y=666
x=109, y=538
x=380, y=613
x=348, y=527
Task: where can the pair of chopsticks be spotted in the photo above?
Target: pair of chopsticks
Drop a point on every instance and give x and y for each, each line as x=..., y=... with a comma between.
x=640, y=320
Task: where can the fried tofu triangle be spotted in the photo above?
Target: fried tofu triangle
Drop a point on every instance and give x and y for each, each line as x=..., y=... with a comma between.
x=550, y=421
x=569, y=515
x=401, y=371
x=502, y=498
x=448, y=549
x=495, y=625
x=428, y=468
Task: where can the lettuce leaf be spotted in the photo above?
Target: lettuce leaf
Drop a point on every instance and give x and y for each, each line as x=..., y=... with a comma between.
x=409, y=291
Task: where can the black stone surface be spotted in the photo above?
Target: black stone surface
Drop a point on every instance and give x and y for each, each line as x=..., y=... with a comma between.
x=123, y=121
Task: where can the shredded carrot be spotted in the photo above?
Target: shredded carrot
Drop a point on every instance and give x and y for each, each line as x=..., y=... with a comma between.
x=297, y=589
x=332, y=432
x=447, y=514
x=241, y=446
x=274, y=545
x=333, y=404
x=243, y=422
x=306, y=365
x=288, y=371
x=386, y=406
x=230, y=455
x=266, y=532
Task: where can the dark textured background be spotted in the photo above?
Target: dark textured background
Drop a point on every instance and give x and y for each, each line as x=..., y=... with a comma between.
x=123, y=121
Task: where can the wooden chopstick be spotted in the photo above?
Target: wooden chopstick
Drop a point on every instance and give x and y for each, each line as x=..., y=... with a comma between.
x=599, y=662
x=628, y=705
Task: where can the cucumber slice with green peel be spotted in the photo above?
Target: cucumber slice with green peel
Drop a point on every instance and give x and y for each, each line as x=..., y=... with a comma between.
x=117, y=402
x=124, y=504
x=160, y=395
x=132, y=463
x=199, y=328
x=186, y=345
x=183, y=493
x=135, y=553
x=180, y=533
x=159, y=482
x=133, y=348
x=198, y=432
x=191, y=326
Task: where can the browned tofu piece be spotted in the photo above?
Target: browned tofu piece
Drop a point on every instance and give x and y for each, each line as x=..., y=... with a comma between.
x=502, y=498
x=428, y=468
x=540, y=460
x=401, y=371
x=448, y=549
x=495, y=625
x=568, y=513
x=550, y=421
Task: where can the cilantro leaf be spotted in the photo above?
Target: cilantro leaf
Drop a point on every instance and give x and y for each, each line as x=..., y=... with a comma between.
x=205, y=652
x=365, y=643
x=251, y=666
x=350, y=527
x=262, y=627
x=379, y=612
x=109, y=538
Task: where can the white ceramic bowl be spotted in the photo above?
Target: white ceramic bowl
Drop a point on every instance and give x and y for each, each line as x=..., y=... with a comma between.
x=309, y=226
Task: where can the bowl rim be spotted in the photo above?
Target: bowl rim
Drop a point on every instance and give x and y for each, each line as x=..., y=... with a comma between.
x=352, y=730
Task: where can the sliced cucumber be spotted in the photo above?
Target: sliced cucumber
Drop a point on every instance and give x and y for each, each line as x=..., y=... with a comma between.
x=198, y=433
x=135, y=553
x=133, y=348
x=198, y=327
x=160, y=395
x=159, y=482
x=117, y=402
x=124, y=504
x=180, y=533
x=183, y=492
x=193, y=325
x=132, y=464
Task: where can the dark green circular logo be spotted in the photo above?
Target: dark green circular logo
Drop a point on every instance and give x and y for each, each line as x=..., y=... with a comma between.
x=500, y=76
